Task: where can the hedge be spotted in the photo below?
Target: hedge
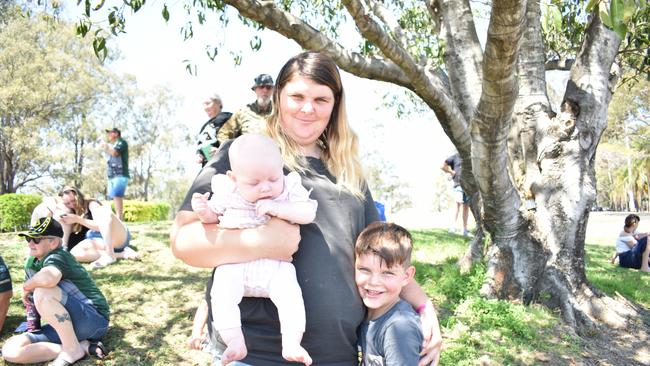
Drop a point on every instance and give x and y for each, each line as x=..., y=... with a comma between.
x=16, y=210
x=145, y=211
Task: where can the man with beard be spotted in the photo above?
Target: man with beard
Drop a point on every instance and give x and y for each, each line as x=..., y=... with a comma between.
x=252, y=118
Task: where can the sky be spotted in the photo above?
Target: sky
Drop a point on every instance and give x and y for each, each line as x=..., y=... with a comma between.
x=155, y=52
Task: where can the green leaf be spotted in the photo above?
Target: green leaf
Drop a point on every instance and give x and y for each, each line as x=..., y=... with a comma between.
x=99, y=6
x=620, y=28
x=629, y=8
x=591, y=5
x=99, y=46
x=556, y=17
x=165, y=13
x=616, y=11
x=604, y=17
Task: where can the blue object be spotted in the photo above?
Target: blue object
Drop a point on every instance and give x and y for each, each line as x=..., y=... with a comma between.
x=381, y=209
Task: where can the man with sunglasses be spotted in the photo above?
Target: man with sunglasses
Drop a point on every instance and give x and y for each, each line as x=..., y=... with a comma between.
x=252, y=118
x=66, y=297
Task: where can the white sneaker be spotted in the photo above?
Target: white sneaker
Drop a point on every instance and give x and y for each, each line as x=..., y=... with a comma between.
x=466, y=233
x=129, y=253
x=451, y=230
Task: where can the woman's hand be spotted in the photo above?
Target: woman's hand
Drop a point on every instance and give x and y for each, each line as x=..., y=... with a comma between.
x=432, y=338
x=69, y=218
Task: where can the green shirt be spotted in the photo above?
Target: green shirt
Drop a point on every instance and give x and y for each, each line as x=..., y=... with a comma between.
x=118, y=166
x=72, y=271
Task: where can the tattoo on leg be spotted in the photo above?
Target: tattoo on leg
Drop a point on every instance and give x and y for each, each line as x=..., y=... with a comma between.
x=62, y=318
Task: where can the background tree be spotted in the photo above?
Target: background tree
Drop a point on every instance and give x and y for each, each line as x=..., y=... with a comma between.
x=50, y=79
x=492, y=103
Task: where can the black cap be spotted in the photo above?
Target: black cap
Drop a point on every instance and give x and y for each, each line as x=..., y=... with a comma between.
x=263, y=79
x=114, y=129
x=45, y=226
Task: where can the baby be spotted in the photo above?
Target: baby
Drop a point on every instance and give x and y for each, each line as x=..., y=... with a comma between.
x=247, y=196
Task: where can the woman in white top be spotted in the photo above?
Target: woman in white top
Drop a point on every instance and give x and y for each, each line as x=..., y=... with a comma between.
x=632, y=247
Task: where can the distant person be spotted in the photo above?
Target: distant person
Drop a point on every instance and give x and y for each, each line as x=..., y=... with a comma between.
x=453, y=166
x=6, y=291
x=391, y=333
x=118, y=169
x=247, y=196
x=207, y=138
x=93, y=231
x=66, y=297
x=251, y=118
x=632, y=247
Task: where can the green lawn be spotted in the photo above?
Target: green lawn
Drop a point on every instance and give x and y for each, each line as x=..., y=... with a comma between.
x=153, y=301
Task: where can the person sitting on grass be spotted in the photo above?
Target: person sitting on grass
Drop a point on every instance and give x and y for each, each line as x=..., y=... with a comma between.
x=66, y=297
x=103, y=237
x=6, y=291
x=632, y=247
x=391, y=333
x=247, y=196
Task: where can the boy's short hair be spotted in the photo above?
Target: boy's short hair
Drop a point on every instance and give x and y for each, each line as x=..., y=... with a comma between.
x=391, y=242
x=631, y=220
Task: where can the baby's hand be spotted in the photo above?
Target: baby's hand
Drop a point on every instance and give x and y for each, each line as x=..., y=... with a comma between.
x=200, y=202
x=266, y=207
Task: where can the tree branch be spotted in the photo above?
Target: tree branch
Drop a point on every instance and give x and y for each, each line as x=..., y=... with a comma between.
x=387, y=17
x=274, y=18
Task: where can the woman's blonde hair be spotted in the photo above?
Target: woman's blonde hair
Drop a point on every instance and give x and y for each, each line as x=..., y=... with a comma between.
x=80, y=204
x=338, y=142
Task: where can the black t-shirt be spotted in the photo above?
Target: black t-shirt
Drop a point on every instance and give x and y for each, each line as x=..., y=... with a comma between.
x=325, y=270
x=455, y=163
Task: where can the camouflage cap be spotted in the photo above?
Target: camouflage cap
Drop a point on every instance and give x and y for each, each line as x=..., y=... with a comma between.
x=262, y=80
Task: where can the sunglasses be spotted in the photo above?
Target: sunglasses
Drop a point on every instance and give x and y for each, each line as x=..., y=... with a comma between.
x=266, y=87
x=37, y=240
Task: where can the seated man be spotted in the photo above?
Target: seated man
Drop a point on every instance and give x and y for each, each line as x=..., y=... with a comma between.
x=5, y=291
x=65, y=297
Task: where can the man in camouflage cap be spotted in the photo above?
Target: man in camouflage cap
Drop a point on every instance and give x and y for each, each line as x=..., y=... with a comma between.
x=251, y=118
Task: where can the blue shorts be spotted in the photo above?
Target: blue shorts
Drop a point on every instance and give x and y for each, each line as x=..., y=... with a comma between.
x=117, y=186
x=88, y=323
x=633, y=257
x=460, y=196
x=91, y=234
x=5, y=277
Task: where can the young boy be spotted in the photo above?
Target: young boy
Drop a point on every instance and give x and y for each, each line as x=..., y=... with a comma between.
x=391, y=333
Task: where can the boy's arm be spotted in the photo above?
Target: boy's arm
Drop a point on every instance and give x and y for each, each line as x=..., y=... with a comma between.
x=414, y=295
x=402, y=342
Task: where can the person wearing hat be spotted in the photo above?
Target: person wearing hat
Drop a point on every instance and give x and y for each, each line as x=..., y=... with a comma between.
x=6, y=291
x=118, y=169
x=252, y=117
x=207, y=138
x=66, y=297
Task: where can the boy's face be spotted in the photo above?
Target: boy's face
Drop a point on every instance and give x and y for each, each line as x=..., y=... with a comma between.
x=379, y=285
x=256, y=180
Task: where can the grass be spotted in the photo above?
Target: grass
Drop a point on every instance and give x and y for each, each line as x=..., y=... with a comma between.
x=153, y=302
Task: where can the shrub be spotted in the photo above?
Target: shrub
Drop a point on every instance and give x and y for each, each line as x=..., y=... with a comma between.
x=16, y=210
x=145, y=211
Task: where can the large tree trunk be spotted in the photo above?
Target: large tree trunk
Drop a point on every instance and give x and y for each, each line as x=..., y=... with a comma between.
x=530, y=173
x=538, y=252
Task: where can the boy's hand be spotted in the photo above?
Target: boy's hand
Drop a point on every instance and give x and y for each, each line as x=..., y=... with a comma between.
x=266, y=207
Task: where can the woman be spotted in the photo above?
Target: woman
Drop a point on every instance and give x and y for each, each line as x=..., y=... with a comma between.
x=309, y=123
x=92, y=231
x=632, y=247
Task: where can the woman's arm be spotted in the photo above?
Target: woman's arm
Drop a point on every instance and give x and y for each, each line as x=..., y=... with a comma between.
x=414, y=295
x=208, y=245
